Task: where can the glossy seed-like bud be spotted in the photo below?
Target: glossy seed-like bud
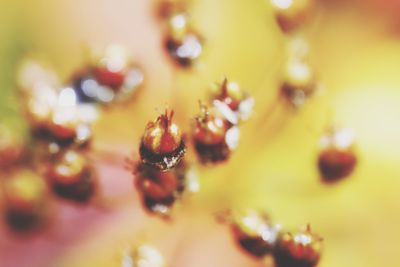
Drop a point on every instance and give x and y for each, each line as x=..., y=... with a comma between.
x=337, y=158
x=158, y=185
x=183, y=44
x=162, y=136
x=209, y=128
x=162, y=144
x=299, y=82
x=110, y=66
x=89, y=90
x=185, y=51
x=255, y=233
x=233, y=103
x=160, y=189
x=113, y=75
x=229, y=93
x=71, y=176
x=25, y=201
x=214, y=137
x=70, y=121
x=300, y=249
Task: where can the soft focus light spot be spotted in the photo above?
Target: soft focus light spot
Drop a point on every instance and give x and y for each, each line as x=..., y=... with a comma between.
x=127, y=261
x=299, y=72
x=105, y=94
x=191, y=48
x=67, y=97
x=298, y=98
x=160, y=209
x=64, y=115
x=192, y=181
x=339, y=138
x=179, y=21
x=113, y=64
x=150, y=256
x=232, y=137
x=71, y=156
x=344, y=138
x=89, y=87
x=42, y=101
x=246, y=108
x=83, y=133
x=174, y=129
x=31, y=74
x=156, y=131
x=88, y=113
x=114, y=58
x=62, y=169
x=269, y=233
x=228, y=113
x=299, y=48
x=233, y=87
x=251, y=221
x=212, y=126
x=303, y=239
x=133, y=78
x=282, y=4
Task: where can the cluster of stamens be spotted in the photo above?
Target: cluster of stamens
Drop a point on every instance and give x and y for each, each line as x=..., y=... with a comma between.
x=162, y=174
x=216, y=132
x=60, y=118
x=337, y=158
x=259, y=237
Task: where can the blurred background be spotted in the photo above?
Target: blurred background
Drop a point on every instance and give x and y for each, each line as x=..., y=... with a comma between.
x=354, y=47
